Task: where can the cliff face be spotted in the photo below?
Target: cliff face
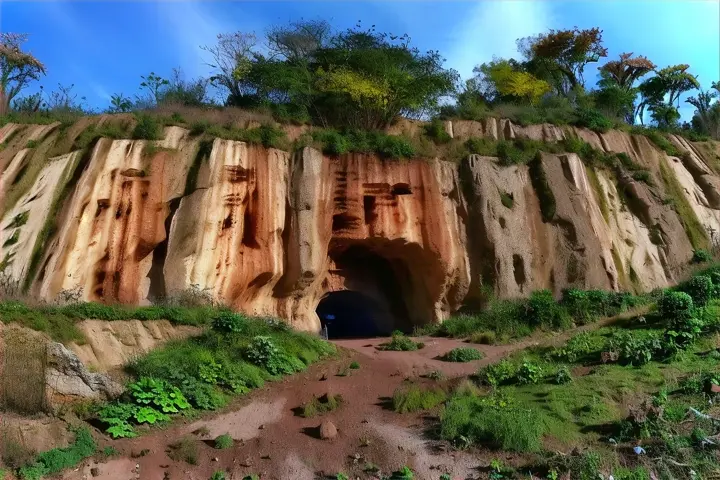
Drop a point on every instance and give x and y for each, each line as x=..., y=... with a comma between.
x=272, y=233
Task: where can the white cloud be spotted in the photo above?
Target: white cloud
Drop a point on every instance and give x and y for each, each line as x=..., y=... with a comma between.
x=491, y=28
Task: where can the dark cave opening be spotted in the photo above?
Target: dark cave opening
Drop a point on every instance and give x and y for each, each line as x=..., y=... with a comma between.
x=349, y=314
x=373, y=301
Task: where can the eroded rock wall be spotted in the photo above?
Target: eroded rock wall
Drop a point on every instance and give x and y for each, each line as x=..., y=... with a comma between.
x=271, y=233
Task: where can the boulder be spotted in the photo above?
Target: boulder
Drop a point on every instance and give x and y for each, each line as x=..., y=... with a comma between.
x=328, y=430
x=67, y=378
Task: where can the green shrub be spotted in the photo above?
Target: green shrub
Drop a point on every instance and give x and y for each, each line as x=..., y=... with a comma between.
x=334, y=142
x=700, y=289
x=593, y=119
x=228, y=322
x=491, y=421
x=701, y=256
x=498, y=373
x=544, y=311
x=407, y=399
x=482, y=146
x=220, y=475
x=147, y=128
x=462, y=354
x=401, y=343
x=56, y=460
x=563, y=375
x=223, y=442
x=264, y=353
x=676, y=307
x=354, y=365
x=436, y=131
x=636, y=348
x=320, y=405
x=405, y=473
x=529, y=373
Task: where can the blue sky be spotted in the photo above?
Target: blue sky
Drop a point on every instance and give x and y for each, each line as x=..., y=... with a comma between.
x=104, y=46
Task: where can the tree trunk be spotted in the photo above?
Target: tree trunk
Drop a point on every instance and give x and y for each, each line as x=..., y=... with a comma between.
x=4, y=102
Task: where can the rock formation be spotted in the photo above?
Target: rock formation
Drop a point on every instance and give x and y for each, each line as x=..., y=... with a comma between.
x=274, y=233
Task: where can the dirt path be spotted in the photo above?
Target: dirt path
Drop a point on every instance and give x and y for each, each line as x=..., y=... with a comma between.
x=272, y=441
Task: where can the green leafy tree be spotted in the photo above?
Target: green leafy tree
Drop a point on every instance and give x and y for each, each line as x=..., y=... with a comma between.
x=560, y=56
x=17, y=68
x=707, y=114
x=662, y=92
x=504, y=80
x=617, y=92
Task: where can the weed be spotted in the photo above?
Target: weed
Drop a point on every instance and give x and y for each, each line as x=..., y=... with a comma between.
x=435, y=375
x=32, y=144
x=220, y=475
x=462, y=354
x=507, y=199
x=354, y=365
x=413, y=398
x=223, y=442
x=19, y=220
x=15, y=454
x=436, y=131
x=321, y=405
x=400, y=342
x=484, y=338
x=147, y=128
x=563, y=375
x=184, y=450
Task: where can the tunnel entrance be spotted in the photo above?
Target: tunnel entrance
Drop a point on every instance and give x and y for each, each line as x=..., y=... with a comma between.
x=348, y=314
x=367, y=296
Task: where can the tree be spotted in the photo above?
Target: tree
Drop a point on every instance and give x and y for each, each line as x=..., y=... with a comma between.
x=560, y=56
x=504, y=80
x=17, y=68
x=625, y=72
x=299, y=40
x=232, y=60
x=668, y=83
x=707, y=114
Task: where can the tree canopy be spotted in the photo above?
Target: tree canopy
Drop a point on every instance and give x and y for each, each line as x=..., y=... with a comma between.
x=17, y=68
x=355, y=78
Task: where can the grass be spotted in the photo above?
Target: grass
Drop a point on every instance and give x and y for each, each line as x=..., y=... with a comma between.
x=32, y=144
x=223, y=442
x=267, y=135
x=690, y=222
x=462, y=354
x=184, y=450
x=413, y=398
x=321, y=405
x=56, y=460
x=59, y=321
x=401, y=343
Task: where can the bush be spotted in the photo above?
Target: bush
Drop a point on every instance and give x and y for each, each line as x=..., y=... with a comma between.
x=498, y=373
x=219, y=475
x=593, y=119
x=483, y=338
x=321, y=405
x=677, y=307
x=334, y=142
x=401, y=343
x=228, y=322
x=147, y=128
x=544, y=311
x=528, y=373
x=413, y=398
x=468, y=419
x=436, y=131
x=354, y=365
x=701, y=256
x=563, y=375
x=482, y=146
x=462, y=354
x=223, y=442
x=263, y=353
x=636, y=348
x=700, y=289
